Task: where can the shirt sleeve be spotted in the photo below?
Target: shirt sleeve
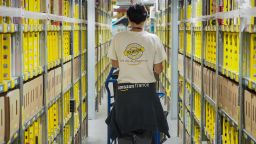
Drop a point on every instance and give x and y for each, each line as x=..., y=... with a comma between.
x=160, y=54
x=112, y=50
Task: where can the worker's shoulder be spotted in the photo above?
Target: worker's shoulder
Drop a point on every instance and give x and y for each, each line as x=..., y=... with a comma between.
x=123, y=33
x=151, y=35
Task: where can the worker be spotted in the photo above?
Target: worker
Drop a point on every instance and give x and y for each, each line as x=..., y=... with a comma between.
x=137, y=112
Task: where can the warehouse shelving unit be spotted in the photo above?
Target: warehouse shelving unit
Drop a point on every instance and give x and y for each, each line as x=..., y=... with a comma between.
x=102, y=42
x=163, y=31
x=216, y=65
x=43, y=83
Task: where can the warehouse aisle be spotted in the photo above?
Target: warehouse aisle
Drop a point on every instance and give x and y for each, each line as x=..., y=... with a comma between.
x=97, y=128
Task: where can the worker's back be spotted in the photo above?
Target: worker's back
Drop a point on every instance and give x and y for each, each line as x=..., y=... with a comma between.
x=136, y=53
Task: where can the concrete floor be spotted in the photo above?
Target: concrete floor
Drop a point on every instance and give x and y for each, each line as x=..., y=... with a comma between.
x=98, y=128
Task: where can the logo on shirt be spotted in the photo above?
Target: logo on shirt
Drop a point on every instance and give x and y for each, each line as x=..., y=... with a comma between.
x=134, y=51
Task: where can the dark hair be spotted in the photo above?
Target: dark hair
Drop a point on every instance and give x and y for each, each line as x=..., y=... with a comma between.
x=137, y=13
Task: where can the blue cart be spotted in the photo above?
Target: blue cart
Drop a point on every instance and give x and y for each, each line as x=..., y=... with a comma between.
x=112, y=79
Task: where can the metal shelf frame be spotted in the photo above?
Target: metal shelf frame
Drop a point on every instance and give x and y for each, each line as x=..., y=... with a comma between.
x=184, y=72
x=18, y=80
x=243, y=81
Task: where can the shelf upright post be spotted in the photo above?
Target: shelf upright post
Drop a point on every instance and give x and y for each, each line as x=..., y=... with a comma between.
x=219, y=49
x=240, y=76
x=202, y=97
x=192, y=73
x=19, y=41
x=72, y=120
x=80, y=73
x=184, y=72
x=86, y=68
x=174, y=66
x=45, y=74
x=174, y=61
x=91, y=58
x=62, y=90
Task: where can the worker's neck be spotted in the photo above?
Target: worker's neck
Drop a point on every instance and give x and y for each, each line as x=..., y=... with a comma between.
x=137, y=27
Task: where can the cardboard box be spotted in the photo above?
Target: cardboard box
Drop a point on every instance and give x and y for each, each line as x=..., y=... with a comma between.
x=67, y=75
x=197, y=72
x=214, y=93
x=220, y=97
x=253, y=115
x=64, y=76
x=76, y=68
x=210, y=84
x=57, y=81
x=225, y=94
x=26, y=102
x=207, y=82
x=199, y=76
x=221, y=92
x=2, y=119
x=180, y=64
x=204, y=80
x=50, y=87
x=194, y=73
x=235, y=91
x=32, y=98
x=229, y=98
x=248, y=111
x=39, y=93
x=12, y=113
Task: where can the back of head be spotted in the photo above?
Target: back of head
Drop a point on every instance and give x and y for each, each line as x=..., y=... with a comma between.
x=137, y=13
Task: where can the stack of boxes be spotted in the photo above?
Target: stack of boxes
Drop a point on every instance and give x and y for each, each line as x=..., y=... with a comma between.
x=2, y=120
x=66, y=106
x=197, y=105
x=33, y=134
x=53, y=121
x=54, y=51
x=10, y=114
x=77, y=100
x=32, y=98
x=228, y=97
x=31, y=53
x=229, y=133
x=198, y=45
x=231, y=55
x=163, y=28
x=102, y=42
x=227, y=89
x=197, y=75
x=209, y=83
x=253, y=57
x=210, y=120
x=210, y=51
x=196, y=134
x=66, y=75
x=189, y=46
x=250, y=112
x=5, y=53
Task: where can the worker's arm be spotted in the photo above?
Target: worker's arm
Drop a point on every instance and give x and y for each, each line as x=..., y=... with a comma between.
x=115, y=64
x=158, y=68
